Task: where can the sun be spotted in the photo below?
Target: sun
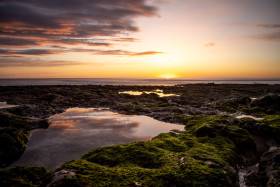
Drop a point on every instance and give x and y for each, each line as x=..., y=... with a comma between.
x=167, y=76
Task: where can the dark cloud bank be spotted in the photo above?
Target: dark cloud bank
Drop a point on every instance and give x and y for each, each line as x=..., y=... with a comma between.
x=33, y=23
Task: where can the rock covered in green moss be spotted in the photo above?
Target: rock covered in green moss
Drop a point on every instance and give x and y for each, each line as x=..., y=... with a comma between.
x=12, y=145
x=166, y=160
x=232, y=104
x=272, y=121
x=220, y=125
x=169, y=159
x=271, y=126
x=268, y=128
x=206, y=154
x=25, y=176
x=22, y=122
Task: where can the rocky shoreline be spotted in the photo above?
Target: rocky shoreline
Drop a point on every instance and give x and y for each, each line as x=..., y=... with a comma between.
x=210, y=152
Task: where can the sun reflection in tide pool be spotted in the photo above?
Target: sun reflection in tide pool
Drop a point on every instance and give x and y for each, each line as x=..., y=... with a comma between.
x=158, y=92
x=79, y=130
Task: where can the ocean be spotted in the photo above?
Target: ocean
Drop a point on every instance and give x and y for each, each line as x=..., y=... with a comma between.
x=118, y=81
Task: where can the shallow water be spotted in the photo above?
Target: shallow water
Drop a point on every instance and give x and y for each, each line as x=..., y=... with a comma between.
x=79, y=130
x=248, y=116
x=158, y=92
x=5, y=105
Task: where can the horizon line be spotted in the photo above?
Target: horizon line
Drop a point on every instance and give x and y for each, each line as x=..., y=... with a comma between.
x=194, y=79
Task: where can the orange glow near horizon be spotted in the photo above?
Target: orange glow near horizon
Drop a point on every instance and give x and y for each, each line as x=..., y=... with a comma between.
x=173, y=39
x=168, y=76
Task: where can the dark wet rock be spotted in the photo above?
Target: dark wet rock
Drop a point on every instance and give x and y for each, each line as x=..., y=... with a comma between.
x=271, y=101
x=54, y=99
x=244, y=101
x=270, y=163
x=162, y=116
x=44, y=101
x=232, y=104
x=206, y=155
x=35, y=111
x=60, y=175
x=25, y=176
x=21, y=122
x=269, y=170
x=12, y=145
x=256, y=179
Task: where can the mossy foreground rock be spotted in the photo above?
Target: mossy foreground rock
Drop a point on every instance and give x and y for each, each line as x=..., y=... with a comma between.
x=25, y=176
x=20, y=122
x=171, y=159
x=12, y=145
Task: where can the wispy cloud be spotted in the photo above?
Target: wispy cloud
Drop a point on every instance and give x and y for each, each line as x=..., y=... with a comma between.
x=17, y=42
x=268, y=25
x=125, y=40
x=209, y=44
x=267, y=37
x=147, y=53
x=268, y=32
x=115, y=52
x=39, y=63
x=61, y=50
x=30, y=52
x=260, y=25
x=69, y=21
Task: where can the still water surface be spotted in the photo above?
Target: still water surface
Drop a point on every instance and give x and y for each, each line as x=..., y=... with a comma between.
x=158, y=92
x=79, y=130
x=5, y=105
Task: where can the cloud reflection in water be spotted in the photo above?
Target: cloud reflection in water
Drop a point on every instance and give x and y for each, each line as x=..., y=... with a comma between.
x=79, y=130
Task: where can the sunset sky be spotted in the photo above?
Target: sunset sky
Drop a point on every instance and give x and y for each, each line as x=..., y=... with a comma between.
x=140, y=39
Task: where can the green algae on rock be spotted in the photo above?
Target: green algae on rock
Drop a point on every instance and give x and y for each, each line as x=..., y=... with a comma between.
x=169, y=159
x=25, y=176
x=207, y=154
x=12, y=145
x=21, y=122
x=154, y=163
x=272, y=122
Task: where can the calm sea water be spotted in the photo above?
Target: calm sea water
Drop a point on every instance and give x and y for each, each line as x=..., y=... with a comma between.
x=114, y=81
x=79, y=130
